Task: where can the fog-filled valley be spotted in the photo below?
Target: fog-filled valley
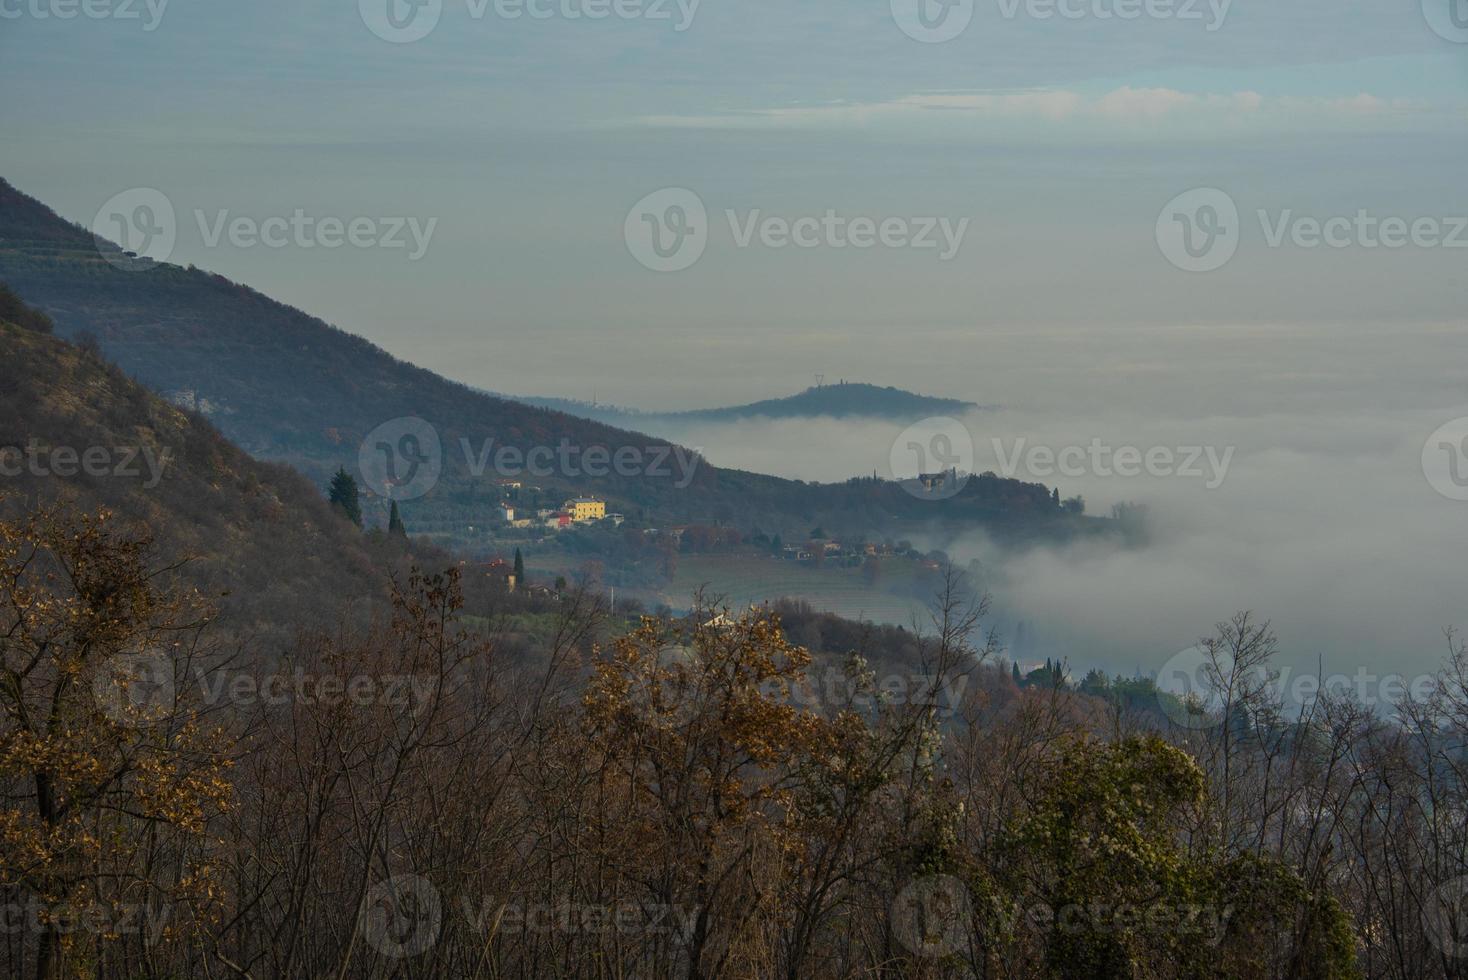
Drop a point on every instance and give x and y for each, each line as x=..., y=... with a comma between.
x=1314, y=509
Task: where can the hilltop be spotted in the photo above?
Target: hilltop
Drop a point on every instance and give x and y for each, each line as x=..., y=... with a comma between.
x=843, y=400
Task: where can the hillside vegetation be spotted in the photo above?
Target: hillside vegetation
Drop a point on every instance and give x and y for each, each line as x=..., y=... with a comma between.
x=286, y=386
x=78, y=431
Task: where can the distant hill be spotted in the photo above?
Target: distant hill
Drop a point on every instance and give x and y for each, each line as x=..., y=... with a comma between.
x=286, y=386
x=844, y=400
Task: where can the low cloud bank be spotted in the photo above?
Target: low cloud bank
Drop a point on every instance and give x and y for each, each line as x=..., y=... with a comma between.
x=1322, y=521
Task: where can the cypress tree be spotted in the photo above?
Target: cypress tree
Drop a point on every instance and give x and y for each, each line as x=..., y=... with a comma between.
x=345, y=497
x=395, y=522
x=519, y=567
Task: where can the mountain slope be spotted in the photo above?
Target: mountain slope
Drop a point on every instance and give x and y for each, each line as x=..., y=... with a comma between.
x=258, y=536
x=286, y=386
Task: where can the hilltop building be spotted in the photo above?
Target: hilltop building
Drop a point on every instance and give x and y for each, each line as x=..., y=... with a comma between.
x=584, y=509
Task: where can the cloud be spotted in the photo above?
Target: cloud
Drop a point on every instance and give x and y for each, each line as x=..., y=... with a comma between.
x=1127, y=105
x=1324, y=523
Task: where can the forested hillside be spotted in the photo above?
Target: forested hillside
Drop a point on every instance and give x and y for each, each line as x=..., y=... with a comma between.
x=257, y=536
x=286, y=386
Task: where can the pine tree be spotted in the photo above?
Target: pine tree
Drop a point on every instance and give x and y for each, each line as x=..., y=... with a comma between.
x=345, y=497
x=395, y=522
x=519, y=567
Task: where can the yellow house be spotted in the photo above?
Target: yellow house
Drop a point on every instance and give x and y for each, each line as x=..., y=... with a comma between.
x=585, y=509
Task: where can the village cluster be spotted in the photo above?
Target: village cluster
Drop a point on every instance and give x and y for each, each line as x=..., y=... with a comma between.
x=575, y=511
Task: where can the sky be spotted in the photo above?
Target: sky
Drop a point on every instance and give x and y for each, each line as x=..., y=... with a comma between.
x=1108, y=216
x=527, y=141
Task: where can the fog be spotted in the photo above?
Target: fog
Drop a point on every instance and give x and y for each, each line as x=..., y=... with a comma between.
x=1323, y=521
x=1060, y=141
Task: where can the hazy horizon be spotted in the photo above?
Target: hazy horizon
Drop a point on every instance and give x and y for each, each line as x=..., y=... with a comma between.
x=1053, y=149
x=527, y=142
